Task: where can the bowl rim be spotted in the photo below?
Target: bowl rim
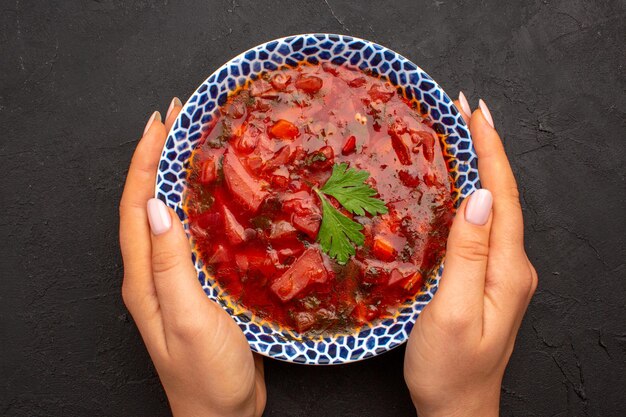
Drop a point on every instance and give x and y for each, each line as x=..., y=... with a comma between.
x=330, y=338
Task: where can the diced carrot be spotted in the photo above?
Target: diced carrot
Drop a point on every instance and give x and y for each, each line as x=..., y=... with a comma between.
x=284, y=129
x=241, y=184
x=383, y=249
x=309, y=84
x=306, y=270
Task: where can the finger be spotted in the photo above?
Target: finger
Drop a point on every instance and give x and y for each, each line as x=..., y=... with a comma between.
x=139, y=188
x=505, y=309
x=261, y=393
x=534, y=281
x=496, y=175
x=461, y=290
x=180, y=294
x=172, y=113
x=138, y=289
x=463, y=106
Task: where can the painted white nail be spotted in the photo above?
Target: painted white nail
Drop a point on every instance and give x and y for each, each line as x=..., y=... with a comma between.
x=175, y=103
x=486, y=112
x=478, y=207
x=155, y=116
x=464, y=104
x=158, y=216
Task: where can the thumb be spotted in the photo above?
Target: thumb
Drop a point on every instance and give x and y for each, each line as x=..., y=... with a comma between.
x=179, y=292
x=462, y=285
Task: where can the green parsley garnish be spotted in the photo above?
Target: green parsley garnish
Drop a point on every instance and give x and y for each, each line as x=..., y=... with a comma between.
x=348, y=186
x=338, y=233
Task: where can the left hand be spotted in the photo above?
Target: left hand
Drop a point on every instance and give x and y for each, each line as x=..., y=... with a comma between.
x=203, y=359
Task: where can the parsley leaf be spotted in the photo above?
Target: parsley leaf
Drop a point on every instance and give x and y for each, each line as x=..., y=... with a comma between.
x=348, y=186
x=337, y=232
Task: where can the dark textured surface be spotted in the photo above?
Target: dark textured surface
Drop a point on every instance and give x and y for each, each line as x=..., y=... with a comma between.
x=79, y=79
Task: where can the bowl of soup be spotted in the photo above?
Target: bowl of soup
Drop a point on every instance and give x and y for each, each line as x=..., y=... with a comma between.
x=317, y=177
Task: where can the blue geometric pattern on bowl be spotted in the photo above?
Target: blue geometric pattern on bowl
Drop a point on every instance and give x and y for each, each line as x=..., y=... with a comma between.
x=264, y=337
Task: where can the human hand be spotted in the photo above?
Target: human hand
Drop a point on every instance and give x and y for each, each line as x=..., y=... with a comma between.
x=462, y=341
x=202, y=357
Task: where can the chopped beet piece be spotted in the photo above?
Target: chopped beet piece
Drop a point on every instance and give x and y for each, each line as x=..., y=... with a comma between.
x=382, y=92
x=282, y=230
x=428, y=146
x=208, y=172
x=280, y=81
x=305, y=212
x=259, y=87
x=280, y=158
x=357, y=82
x=408, y=179
x=402, y=150
x=235, y=232
x=306, y=270
x=220, y=255
x=243, y=186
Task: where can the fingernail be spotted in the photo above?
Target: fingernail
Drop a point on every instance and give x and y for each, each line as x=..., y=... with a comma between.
x=464, y=104
x=479, y=207
x=158, y=216
x=175, y=103
x=155, y=116
x=486, y=112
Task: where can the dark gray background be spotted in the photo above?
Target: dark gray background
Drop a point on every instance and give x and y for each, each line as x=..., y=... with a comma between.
x=79, y=79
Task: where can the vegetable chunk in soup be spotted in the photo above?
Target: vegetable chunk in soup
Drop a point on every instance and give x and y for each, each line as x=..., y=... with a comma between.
x=319, y=198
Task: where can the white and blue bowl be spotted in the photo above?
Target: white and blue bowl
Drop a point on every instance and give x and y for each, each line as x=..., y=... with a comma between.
x=268, y=338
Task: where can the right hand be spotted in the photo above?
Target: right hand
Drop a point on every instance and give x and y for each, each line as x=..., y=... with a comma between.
x=462, y=341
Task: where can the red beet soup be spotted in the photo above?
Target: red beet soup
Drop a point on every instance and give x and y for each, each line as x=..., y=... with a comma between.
x=319, y=198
